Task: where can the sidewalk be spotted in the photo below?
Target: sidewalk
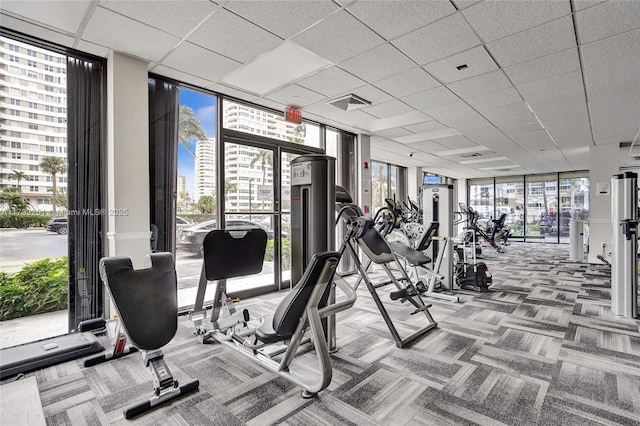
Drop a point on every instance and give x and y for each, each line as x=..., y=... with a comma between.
x=27, y=329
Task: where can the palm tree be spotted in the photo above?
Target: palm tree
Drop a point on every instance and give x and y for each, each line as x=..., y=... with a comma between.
x=19, y=176
x=264, y=157
x=189, y=128
x=53, y=166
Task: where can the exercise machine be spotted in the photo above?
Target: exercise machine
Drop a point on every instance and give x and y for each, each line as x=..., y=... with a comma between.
x=423, y=270
x=146, y=302
x=117, y=337
x=363, y=234
x=296, y=321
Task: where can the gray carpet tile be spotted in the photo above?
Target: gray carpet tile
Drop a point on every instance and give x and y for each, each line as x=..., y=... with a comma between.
x=540, y=348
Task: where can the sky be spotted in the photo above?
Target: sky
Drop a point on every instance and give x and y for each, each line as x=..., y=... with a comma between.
x=204, y=107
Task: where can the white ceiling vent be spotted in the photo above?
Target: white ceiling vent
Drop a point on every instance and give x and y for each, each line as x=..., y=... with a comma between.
x=350, y=102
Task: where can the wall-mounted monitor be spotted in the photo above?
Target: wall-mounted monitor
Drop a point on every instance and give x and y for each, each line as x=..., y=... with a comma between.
x=430, y=180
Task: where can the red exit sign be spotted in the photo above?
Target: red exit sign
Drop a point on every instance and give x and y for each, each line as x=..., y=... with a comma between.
x=293, y=115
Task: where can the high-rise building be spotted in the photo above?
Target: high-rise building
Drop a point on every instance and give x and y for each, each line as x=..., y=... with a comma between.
x=205, y=168
x=248, y=177
x=33, y=117
x=182, y=188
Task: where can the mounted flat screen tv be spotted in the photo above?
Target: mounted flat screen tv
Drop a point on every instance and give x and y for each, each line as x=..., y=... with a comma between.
x=430, y=180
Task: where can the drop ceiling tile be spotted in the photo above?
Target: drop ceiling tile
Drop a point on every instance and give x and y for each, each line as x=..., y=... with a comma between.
x=94, y=49
x=390, y=21
x=401, y=120
x=583, y=4
x=496, y=19
x=495, y=99
x=232, y=91
x=35, y=30
x=339, y=37
x=331, y=82
x=408, y=82
x=174, y=17
x=611, y=49
x=485, y=83
x=236, y=38
x=506, y=110
x=522, y=128
x=295, y=95
x=477, y=61
x=515, y=120
x=607, y=19
x=436, y=134
x=372, y=94
x=569, y=100
x=463, y=4
x=425, y=127
x=387, y=59
x=283, y=17
x=430, y=98
x=565, y=83
x=64, y=15
x=352, y=118
x=534, y=43
x=181, y=76
x=427, y=146
x=388, y=109
x=438, y=40
x=202, y=62
x=457, y=142
x=393, y=133
x=613, y=79
x=545, y=67
x=457, y=111
x=122, y=34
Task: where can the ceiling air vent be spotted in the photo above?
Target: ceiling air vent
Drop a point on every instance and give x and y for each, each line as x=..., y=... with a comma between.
x=350, y=102
x=471, y=155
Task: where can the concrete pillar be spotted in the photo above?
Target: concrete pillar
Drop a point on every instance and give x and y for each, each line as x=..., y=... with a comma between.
x=604, y=162
x=128, y=221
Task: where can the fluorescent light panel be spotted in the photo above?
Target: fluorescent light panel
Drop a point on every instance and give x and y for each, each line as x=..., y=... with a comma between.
x=279, y=67
x=438, y=134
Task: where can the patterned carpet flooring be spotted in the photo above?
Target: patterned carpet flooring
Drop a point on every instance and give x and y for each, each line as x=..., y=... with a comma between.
x=540, y=348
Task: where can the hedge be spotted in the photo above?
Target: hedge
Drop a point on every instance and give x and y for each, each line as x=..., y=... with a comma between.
x=39, y=287
x=22, y=220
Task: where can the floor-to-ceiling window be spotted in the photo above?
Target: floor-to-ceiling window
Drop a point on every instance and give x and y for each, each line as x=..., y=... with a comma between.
x=51, y=109
x=509, y=200
x=387, y=181
x=480, y=195
x=538, y=207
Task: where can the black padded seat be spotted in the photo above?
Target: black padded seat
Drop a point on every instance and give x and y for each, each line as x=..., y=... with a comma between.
x=283, y=323
x=413, y=257
x=146, y=299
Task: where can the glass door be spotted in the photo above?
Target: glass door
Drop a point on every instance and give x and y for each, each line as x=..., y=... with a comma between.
x=250, y=202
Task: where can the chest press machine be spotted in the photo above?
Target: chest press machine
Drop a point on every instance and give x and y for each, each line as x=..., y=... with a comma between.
x=297, y=320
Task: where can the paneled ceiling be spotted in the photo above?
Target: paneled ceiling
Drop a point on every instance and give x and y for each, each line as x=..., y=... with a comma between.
x=463, y=88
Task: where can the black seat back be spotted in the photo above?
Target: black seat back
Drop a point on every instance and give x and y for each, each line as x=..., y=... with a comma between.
x=427, y=236
x=229, y=254
x=288, y=313
x=145, y=299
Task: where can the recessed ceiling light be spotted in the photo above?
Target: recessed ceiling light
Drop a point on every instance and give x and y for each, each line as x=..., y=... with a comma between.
x=462, y=67
x=279, y=67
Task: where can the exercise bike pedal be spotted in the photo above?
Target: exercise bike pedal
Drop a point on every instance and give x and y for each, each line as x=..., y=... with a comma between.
x=421, y=287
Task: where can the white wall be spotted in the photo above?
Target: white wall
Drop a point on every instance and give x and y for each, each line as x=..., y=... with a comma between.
x=603, y=163
x=127, y=209
x=364, y=175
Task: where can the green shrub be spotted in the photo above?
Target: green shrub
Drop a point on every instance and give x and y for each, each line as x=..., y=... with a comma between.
x=22, y=220
x=286, y=252
x=40, y=287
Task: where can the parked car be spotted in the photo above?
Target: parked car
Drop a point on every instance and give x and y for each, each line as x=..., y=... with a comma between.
x=548, y=223
x=191, y=238
x=58, y=224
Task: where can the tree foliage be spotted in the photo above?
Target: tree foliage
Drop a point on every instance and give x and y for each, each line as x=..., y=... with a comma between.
x=40, y=287
x=189, y=128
